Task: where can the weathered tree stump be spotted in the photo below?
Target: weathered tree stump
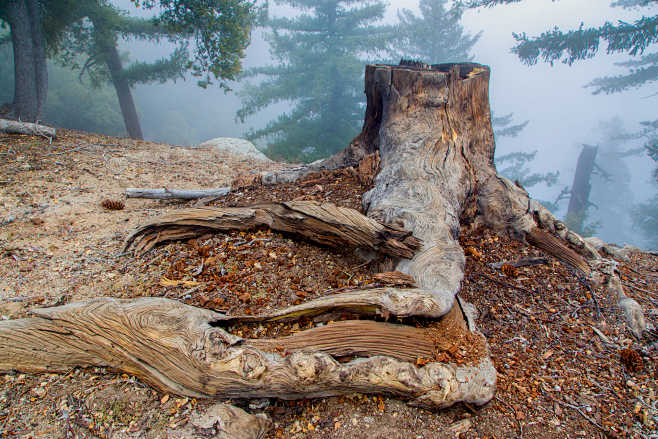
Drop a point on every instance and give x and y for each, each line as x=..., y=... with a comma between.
x=431, y=128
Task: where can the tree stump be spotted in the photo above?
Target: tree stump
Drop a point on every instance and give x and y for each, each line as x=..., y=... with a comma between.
x=431, y=127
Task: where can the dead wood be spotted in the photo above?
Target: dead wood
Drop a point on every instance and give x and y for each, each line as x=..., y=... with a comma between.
x=170, y=194
x=394, y=278
x=31, y=129
x=431, y=129
x=368, y=169
x=378, y=302
x=323, y=223
x=554, y=246
x=523, y=262
x=183, y=350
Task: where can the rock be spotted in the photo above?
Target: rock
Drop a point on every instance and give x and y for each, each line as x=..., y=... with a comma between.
x=224, y=421
x=236, y=146
x=614, y=250
x=460, y=427
x=12, y=310
x=597, y=243
x=632, y=310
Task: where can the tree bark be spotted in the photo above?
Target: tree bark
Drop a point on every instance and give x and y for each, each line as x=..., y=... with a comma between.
x=431, y=126
x=579, y=200
x=30, y=71
x=184, y=350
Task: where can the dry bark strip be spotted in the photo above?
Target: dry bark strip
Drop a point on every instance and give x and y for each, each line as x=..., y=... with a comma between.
x=31, y=129
x=183, y=350
x=323, y=223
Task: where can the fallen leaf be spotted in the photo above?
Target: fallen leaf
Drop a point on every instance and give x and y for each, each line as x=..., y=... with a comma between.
x=473, y=252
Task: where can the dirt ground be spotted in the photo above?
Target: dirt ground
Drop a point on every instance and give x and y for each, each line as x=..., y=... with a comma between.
x=567, y=367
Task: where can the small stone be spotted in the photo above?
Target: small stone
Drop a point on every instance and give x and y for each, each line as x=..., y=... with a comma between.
x=259, y=404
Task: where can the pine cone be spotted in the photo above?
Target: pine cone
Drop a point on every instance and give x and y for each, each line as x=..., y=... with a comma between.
x=632, y=360
x=113, y=204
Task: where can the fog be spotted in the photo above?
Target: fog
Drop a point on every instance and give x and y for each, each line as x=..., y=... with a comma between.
x=562, y=113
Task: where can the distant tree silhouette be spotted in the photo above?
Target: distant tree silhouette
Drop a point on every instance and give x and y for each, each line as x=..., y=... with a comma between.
x=436, y=35
x=319, y=57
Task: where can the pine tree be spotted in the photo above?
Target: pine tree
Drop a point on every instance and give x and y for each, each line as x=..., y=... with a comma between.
x=583, y=43
x=319, y=71
x=217, y=30
x=515, y=164
x=436, y=35
x=635, y=39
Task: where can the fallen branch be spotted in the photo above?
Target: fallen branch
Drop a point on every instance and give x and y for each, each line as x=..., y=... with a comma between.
x=323, y=223
x=525, y=262
x=31, y=129
x=169, y=194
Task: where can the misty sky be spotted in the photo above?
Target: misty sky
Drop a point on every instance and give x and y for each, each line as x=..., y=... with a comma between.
x=562, y=113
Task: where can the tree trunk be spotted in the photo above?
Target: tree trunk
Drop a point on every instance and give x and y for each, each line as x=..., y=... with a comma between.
x=431, y=126
x=124, y=93
x=579, y=201
x=106, y=42
x=30, y=71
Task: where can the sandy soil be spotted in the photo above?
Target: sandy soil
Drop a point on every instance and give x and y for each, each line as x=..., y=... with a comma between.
x=557, y=377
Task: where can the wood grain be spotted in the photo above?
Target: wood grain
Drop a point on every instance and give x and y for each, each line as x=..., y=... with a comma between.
x=179, y=349
x=322, y=223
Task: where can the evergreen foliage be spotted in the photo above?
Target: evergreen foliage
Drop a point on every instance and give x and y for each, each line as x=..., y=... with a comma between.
x=585, y=42
x=515, y=164
x=515, y=169
x=635, y=39
x=219, y=30
x=98, y=25
x=319, y=57
x=503, y=126
x=210, y=36
x=436, y=35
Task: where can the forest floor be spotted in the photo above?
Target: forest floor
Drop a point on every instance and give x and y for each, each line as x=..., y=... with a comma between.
x=567, y=367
